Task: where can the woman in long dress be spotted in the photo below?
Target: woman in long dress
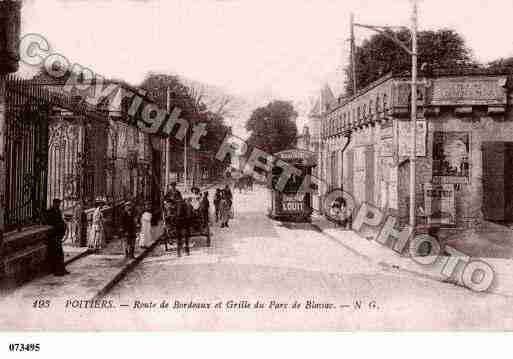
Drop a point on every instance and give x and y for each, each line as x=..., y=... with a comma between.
x=97, y=233
x=225, y=206
x=145, y=237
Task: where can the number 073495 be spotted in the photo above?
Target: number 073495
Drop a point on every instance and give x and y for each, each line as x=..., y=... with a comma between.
x=17, y=347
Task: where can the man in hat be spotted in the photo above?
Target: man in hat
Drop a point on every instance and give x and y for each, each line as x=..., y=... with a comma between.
x=183, y=223
x=54, y=242
x=173, y=194
x=129, y=227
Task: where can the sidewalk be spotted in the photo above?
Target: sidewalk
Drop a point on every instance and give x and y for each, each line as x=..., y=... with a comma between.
x=478, y=245
x=91, y=275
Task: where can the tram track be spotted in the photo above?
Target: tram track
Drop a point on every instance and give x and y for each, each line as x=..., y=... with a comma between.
x=127, y=269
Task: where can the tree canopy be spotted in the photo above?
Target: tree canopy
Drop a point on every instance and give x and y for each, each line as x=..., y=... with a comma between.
x=273, y=127
x=502, y=64
x=380, y=55
x=193, y=110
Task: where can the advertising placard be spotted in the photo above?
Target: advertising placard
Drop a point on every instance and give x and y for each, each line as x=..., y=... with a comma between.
x=439, y=202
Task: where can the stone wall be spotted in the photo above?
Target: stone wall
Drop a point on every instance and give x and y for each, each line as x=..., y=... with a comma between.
x=24, y=256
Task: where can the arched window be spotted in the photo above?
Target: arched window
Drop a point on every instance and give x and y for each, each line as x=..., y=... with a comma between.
x=385, y=102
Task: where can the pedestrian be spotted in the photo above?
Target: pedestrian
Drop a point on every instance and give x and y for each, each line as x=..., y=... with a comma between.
x=224, y=211
x=173, y=194
x=183, y=218
x=145, y=237
x=250, y=184
x=55, y=253
x=335, y=210
x=344, y=216
x=97, y=232
x=78, y=223
x=129, y=227
x=196, y=199
x=205, y=206
x=228, y=192
x=217, y=201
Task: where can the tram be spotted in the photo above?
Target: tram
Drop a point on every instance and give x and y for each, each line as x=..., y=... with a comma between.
x=290, y=204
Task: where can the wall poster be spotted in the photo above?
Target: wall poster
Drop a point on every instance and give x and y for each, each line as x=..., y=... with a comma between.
x=387, y=141
x=405, y=138
x=439, y=202
x=451, y=157
x=388, y=184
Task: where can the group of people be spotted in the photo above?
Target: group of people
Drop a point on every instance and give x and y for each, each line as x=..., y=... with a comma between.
x=223, y=200
x=133, y=226
x=244, y=183
x=340, y=213
x=136, y=226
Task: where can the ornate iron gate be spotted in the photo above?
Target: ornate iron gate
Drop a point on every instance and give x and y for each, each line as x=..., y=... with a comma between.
x=26, y=158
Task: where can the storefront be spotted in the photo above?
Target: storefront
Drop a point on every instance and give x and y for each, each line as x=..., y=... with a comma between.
x=464, y=148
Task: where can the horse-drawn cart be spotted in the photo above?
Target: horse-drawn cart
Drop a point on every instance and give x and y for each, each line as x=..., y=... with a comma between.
x=179, y=214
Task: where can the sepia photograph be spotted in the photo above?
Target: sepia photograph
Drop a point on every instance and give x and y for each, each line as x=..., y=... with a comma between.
x=255, y=166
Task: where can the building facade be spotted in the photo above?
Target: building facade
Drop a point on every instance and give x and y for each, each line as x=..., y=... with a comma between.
x=323, y=105
x=464, y=148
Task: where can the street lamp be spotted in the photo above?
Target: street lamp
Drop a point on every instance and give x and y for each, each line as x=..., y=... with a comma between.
x=414, y=55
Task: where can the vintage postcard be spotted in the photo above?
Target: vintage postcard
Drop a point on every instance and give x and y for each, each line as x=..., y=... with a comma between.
x=255, y=165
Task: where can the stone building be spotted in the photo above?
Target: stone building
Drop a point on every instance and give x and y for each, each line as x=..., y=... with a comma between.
x=303, y=141
x=324, y=104
x=464, y=147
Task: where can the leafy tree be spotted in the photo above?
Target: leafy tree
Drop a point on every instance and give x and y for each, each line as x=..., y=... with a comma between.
x=379, y=55
x=272, y=127
x=502, y=65
x=194, y=110
x=156, y=86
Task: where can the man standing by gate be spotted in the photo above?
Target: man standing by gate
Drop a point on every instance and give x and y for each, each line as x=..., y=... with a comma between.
x=129, y=226
x=54, y=242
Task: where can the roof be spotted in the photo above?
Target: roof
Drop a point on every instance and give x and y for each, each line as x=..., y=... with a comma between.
x=324, y=103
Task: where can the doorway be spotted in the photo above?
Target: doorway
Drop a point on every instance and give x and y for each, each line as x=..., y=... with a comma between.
x=498, y=181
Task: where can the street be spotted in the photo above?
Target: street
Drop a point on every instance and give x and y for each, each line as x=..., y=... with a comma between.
x=277, y=264
x=257, y=274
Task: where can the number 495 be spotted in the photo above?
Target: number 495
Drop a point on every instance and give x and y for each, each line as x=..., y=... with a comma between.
x=41, y=304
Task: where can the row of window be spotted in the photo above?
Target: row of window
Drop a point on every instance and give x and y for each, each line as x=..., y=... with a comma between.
x=343, y=117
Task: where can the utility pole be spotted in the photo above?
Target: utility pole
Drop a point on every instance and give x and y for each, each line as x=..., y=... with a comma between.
x=414, y=84
x=414, y=55
x=185, y=162
x=353, y=62
x=167, y=145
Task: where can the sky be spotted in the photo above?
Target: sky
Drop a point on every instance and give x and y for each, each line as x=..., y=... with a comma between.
x=284, y=49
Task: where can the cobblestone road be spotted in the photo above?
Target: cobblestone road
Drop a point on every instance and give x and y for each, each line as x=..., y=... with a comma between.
x=257, y=259
x=258, y=274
